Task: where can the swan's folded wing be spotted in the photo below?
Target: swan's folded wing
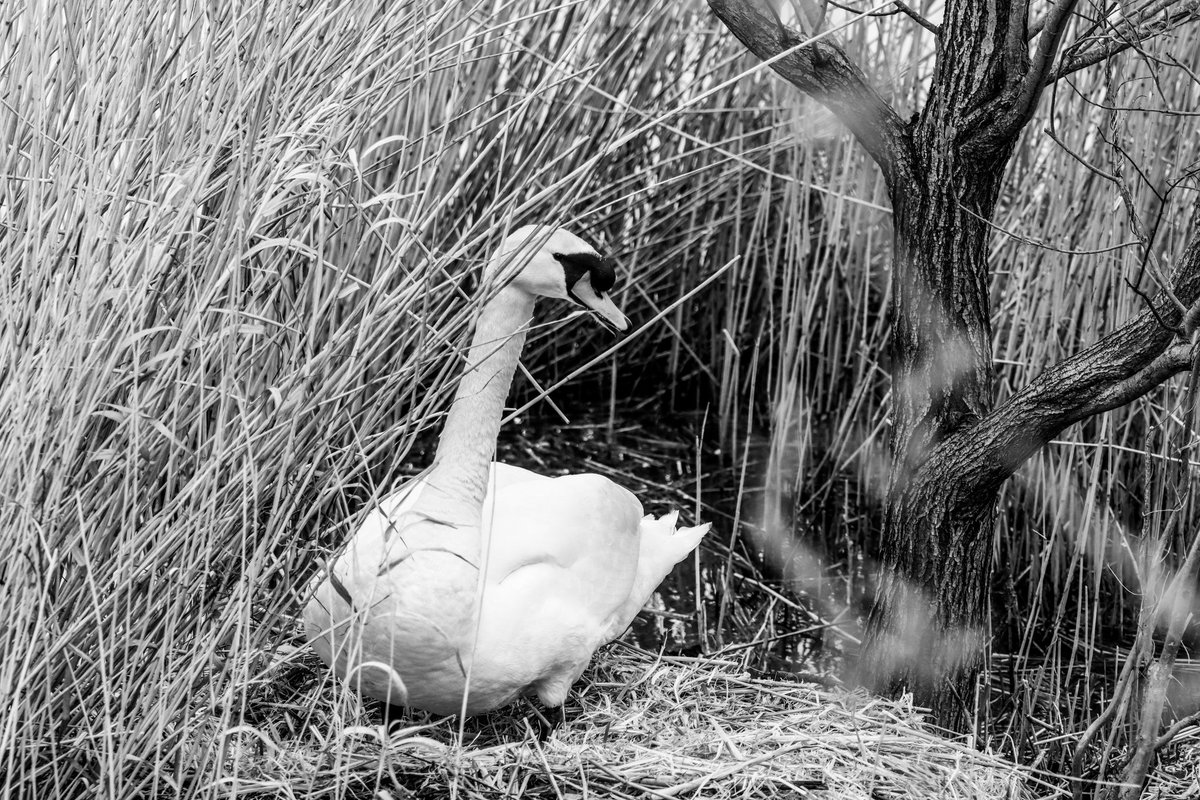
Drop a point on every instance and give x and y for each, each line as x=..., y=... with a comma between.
x=584, y=526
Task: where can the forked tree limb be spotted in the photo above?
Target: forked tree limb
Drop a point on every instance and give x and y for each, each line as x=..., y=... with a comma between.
x=999, y=121
x=1115, y=371
x=1034, y=81
x=1123, y=37
x=823, y=71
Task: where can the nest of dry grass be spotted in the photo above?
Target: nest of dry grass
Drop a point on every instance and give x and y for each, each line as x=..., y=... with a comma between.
x=638, y=725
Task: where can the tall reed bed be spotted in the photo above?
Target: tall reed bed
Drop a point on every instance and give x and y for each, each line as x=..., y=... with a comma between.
x=238, y=246
x=1077, y=536
x=238, y=243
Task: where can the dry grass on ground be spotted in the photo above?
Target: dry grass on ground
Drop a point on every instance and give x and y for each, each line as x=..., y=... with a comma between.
x=638, y=725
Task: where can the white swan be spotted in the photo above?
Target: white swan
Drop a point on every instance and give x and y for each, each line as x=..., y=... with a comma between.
x=566, y=562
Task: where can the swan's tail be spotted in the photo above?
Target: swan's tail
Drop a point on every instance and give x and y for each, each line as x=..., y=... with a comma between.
x=662, y=547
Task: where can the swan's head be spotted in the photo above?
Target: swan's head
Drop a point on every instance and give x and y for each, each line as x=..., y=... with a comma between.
x=553, y=262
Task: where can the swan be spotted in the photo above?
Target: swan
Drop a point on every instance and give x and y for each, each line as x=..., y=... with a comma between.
x=483, y=582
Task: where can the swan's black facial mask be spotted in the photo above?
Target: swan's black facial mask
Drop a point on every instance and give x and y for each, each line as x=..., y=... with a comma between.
x=589, y=277
x=576, y=265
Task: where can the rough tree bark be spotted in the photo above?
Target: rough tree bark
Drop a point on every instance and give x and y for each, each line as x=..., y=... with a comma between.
x=951, y=450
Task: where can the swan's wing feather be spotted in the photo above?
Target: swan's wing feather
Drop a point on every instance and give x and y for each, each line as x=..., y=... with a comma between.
x=584, y=525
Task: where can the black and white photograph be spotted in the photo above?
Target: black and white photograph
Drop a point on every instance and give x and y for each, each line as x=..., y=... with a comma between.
x=581, y=399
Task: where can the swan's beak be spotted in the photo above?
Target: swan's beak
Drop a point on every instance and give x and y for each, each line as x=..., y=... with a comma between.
x=599, y=304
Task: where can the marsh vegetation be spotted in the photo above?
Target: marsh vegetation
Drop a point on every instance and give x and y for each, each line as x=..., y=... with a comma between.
x=238, y=243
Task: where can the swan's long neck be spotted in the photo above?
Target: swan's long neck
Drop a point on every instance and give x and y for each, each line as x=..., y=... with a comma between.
x=456, y=485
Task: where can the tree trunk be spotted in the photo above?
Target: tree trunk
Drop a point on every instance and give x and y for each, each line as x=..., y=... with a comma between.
x=944, y=170
x=928, y=628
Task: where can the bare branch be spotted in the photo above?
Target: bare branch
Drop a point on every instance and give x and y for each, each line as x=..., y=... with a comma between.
x=1118, y=369
x=1047, y=48
x=1124, y=37
x=1170, y=733
x=1034, y=80
x=1089, y=166
x=822, y=70
x=1175, y=359
x=1035, y=27
x=1015, y=43
x=917, y=18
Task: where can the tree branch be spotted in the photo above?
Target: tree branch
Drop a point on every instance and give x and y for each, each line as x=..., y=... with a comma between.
x=1124, y=37
x=1047, y=48
x=1034, y=80
x=1118, y=369
x=823, y=71
x=936, y=30
x=1016, y=43
x=1050, y=31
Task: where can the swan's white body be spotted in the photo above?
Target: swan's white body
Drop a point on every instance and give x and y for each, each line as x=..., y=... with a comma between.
x=485, y=575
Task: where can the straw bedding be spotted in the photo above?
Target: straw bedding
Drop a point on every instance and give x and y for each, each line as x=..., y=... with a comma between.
x=638, y=725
